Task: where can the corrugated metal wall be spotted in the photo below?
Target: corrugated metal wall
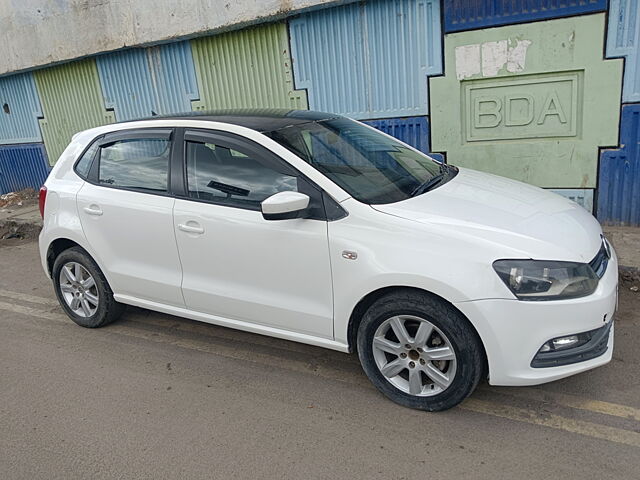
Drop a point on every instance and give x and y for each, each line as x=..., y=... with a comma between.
x=19, y=110
x=151, y=81
x=246, y=69
x=412, y=130
x=71, y=101
x=619, y=188
x=469, y=14
x=623, y=39
x=22, y=166
x=369, y=59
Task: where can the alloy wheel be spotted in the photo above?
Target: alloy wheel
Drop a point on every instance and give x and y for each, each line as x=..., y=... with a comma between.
x=414, y=355
x=79, y=289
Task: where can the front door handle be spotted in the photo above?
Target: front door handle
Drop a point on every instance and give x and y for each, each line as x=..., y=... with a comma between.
x=195, y=228
x=93, y=210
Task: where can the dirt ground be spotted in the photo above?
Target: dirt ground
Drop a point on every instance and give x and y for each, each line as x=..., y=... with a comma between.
x=14, y=232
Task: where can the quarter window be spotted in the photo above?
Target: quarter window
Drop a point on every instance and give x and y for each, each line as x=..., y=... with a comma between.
x=84, y=164
x=222, y=175
x=136, y=163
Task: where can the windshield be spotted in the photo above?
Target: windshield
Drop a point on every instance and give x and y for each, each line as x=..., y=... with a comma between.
x=368, y=165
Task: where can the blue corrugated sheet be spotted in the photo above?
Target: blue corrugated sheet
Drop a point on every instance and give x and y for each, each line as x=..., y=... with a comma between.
x=582, y=196
x=623, y=40
x=151, y=81
x=619, y=180
x=469, y=14
x=19, y=110
x=368, y=59
x=22, y=166
x=413, y=131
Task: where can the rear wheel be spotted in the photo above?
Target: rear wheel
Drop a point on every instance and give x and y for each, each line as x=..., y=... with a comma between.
x=83, y=291
x=419, y=351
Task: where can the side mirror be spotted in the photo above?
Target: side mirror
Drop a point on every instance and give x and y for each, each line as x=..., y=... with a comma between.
x=284, y=205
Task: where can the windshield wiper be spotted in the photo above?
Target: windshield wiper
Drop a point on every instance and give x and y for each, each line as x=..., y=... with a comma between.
x=432, y=182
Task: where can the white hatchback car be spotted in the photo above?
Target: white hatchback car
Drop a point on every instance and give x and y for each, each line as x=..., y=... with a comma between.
x=316, y=228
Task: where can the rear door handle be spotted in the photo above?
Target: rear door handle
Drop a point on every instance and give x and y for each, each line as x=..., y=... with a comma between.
x=191, y=228
x=93, y=210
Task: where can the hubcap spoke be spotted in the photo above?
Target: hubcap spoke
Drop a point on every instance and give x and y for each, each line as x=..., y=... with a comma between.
x=91, y=298
x=85, y=307
x=68, y=274
x=440, y=353
x=393, y=368
x=422, y=335
x=438, y=377
x=78, y=272
x=75, y=303
x=397, y=325
x=387, y=345
x=88, y=283
x=66, y=288
x=415, y=381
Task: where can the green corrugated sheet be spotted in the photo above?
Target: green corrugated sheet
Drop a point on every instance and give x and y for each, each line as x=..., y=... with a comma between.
x=71, y=101
x=250, y=68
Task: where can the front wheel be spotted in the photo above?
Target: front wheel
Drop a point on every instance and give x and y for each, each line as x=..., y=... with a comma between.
x=419, y=351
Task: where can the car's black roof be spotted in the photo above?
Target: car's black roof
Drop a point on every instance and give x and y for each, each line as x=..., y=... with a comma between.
x=262, y=120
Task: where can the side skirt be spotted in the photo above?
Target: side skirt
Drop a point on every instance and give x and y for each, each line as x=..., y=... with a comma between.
x=236, y=324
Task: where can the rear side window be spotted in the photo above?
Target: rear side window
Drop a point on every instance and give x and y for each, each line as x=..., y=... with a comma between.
x=140, y=163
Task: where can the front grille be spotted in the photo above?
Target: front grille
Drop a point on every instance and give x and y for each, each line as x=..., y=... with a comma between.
x=601, y=260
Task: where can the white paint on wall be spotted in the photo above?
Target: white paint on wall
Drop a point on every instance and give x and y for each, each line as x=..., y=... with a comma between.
x=489, y=58
x=467, y=61
x=517, y=56
x=494, y=57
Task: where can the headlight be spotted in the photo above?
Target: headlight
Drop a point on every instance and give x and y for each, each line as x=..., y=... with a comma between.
x=546, y=280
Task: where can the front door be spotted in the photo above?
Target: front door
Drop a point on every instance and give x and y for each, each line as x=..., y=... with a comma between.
x=236, y=264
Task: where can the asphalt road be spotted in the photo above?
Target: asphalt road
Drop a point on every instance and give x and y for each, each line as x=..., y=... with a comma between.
x=155, y=396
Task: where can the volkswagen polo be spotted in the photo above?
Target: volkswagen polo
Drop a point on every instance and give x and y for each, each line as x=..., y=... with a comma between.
x=319, y=229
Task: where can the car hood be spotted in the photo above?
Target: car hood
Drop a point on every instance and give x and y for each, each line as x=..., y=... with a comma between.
x=515, y=218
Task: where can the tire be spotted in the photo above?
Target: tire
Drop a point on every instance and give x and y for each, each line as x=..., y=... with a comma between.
x=448, y=338
x=101, y=308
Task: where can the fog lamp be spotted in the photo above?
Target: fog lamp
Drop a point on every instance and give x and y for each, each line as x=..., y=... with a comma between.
x=562, y=343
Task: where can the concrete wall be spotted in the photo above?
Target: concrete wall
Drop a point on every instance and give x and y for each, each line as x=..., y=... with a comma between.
x=532, y=102
x=34, y=33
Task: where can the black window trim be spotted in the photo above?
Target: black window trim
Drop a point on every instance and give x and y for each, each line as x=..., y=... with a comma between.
x=238, y=142
x=165, y=133
x=134, y=134
x=177, y=173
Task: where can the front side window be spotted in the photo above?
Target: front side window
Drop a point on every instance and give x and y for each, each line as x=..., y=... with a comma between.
x=368, y=165
x=141, y=164
x=226, y=176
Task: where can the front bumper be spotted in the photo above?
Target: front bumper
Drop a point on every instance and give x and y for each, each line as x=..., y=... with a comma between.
x=513, y=331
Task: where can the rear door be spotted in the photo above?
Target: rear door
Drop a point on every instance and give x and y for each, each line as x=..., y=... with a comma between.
x=127, y=215
x=236, y=264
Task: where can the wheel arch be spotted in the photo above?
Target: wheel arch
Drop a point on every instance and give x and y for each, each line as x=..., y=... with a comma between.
x=59, y=245
x=56, y=247
x=369, y=299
